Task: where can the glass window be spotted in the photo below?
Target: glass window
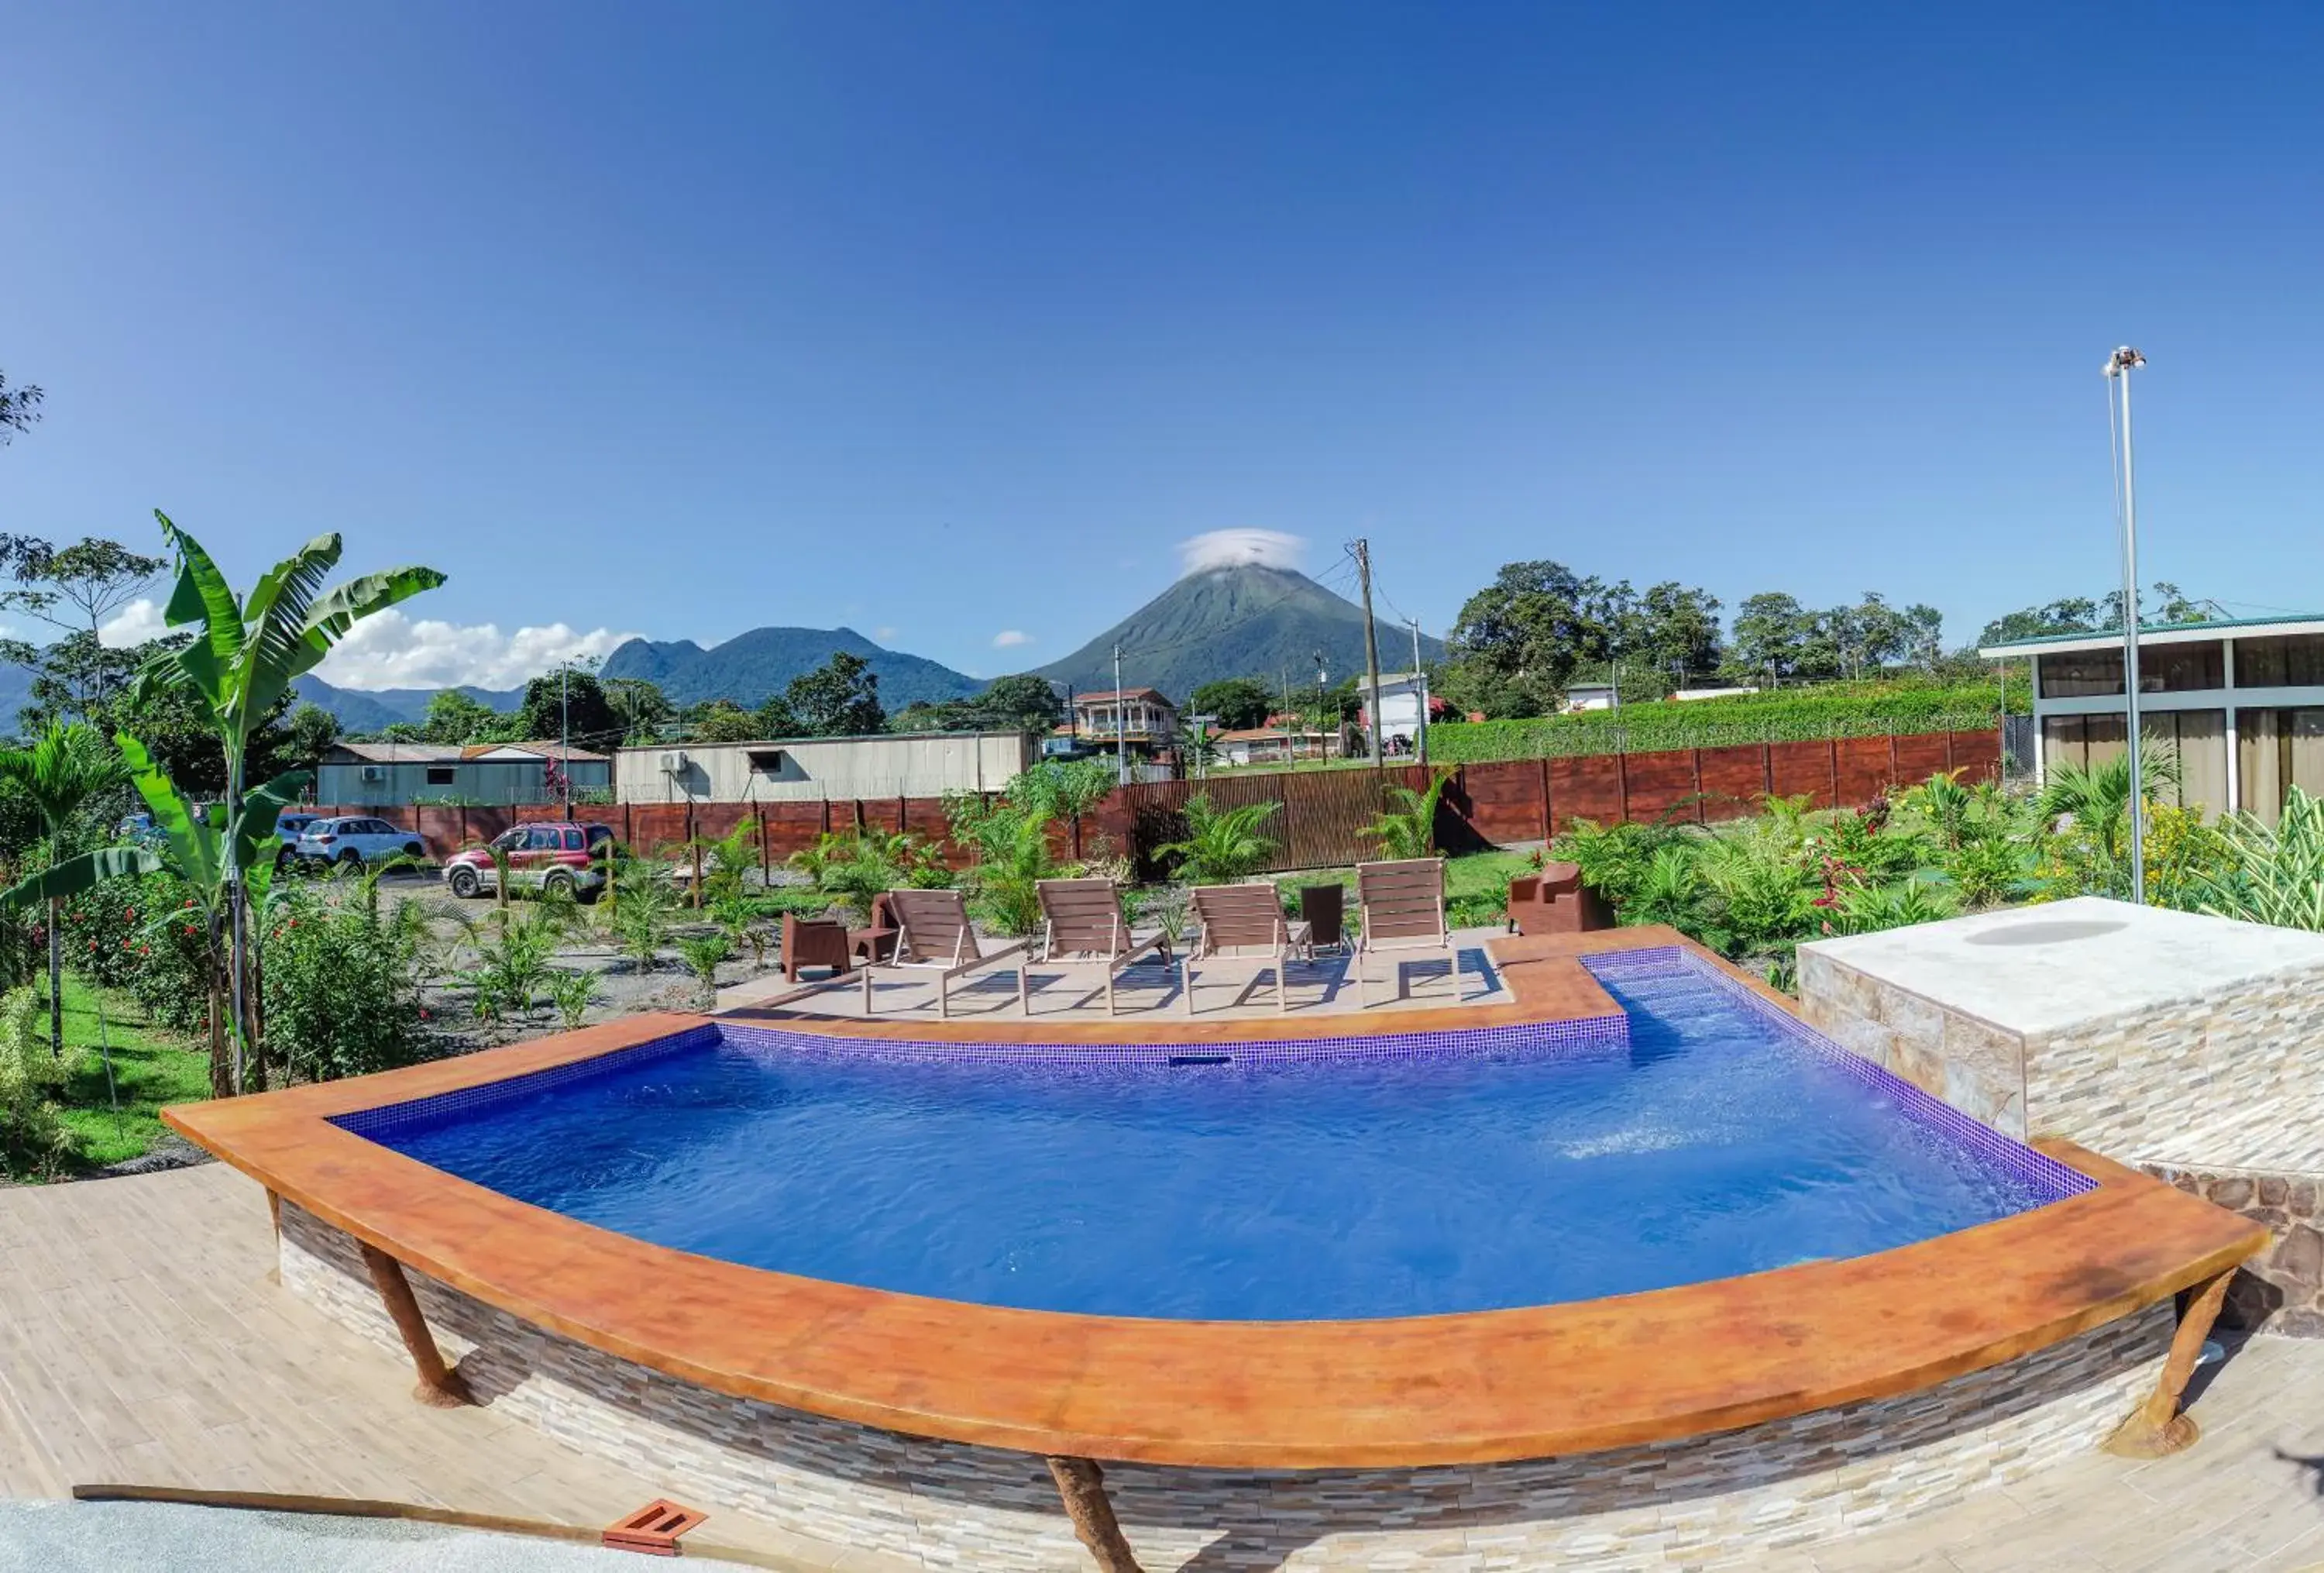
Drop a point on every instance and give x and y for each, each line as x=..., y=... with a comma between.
x=2178, y=669
x=573, y=841
x=2083, y=742
x=2276, y=750
x=2080, y=673
x=442, y=774
x=509, y=840
x=2194, y=743
x=2295, y=661
x=541, y=838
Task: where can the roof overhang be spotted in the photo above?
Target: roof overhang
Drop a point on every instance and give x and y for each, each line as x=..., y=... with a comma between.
x=2163, y=634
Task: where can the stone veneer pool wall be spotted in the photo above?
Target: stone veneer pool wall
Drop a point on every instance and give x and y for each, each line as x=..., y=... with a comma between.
x=1713, y=1501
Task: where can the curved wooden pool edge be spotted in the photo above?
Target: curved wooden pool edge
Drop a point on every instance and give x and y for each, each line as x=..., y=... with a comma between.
x=1473, y=1388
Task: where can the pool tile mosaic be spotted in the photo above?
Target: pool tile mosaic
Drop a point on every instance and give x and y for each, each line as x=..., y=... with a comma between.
x=2045, y=1175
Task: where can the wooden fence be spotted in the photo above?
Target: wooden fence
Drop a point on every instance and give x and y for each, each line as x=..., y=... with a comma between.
x=1321, y=813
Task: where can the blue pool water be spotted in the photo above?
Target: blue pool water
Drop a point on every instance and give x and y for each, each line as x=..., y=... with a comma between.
x=1714, y=1144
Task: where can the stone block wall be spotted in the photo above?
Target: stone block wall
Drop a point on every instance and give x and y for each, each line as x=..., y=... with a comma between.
x=2282, y=1291
x=1715, y=1502
x=1975, y=1067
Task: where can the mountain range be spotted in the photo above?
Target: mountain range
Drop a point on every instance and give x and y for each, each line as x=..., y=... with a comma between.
x=1246, y=620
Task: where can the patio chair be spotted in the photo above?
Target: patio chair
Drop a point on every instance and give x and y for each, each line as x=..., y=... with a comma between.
x=1556, y=902
x=1084, y=923
x=1244, y=917
x=814, y=942
x=1403, y=906
x=933, y=934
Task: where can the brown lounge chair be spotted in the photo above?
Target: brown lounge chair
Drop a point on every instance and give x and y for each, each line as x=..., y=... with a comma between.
x=1244, y=917
x=933, y=934
x=1084, y=924
x=1403, y=907
x=1556, y=902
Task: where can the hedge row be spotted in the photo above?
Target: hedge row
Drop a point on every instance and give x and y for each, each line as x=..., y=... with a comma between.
x=1798, y=716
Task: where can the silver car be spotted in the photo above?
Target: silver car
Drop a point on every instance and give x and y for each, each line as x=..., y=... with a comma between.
x=356, y=840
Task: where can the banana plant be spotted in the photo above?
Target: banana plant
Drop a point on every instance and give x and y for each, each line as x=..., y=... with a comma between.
x=58, y=774
x=242, y=660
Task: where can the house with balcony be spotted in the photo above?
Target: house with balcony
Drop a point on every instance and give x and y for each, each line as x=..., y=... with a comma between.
x=1140, y=719
x=2239, y=702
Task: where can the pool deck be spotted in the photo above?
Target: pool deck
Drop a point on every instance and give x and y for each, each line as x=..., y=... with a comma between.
x=126, y=1357
x=1532, y=1382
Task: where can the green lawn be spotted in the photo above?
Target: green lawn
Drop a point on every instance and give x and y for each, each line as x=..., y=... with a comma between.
x=148, y=1072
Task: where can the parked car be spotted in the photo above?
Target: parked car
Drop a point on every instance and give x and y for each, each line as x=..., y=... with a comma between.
x=288, y=827
x=558, y=851
x=355, y=839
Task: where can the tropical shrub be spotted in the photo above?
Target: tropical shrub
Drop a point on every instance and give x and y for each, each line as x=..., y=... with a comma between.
x=1408, y=828
x=29, y=1077
x=573, y=994
x=336, y=996
x=703, y=954
x=1222, y=845
x=852, y=867
x=2269, y=874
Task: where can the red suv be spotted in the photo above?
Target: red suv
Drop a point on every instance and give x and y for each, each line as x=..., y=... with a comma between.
x=558, y=851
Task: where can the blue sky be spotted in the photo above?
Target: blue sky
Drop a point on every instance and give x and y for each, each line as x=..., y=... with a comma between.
x=949, y=321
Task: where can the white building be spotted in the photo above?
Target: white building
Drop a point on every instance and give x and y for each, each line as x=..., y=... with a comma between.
x=888, y=765
x=2240, y=702
x=1399, y=694
x=1580, y=696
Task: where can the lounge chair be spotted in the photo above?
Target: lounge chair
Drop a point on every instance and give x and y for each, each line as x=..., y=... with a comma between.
x=933, y=934
x=1244, y=917
x=1403, y=905
x=1084, y=924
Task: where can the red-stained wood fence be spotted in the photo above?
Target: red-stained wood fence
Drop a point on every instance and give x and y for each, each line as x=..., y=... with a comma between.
x=1320, y=815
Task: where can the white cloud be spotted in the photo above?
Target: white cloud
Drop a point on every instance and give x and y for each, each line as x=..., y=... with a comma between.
x=1234, y=548
x=390, y=651
x=882, y=635
x=134, y=624
x=1010, y=638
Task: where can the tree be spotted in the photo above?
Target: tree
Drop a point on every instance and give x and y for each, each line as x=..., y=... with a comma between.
x=312, y=732
x=723, y=721
x=569, y=702
x=1516, y=642
x=640, y=705
x=76, y=590
x=2081, y=614
x=241, y=664
x=456, y=719
x=1772, y=636
x=839, y=698
x=61, y=774
x=19, y=407
x=775, y=718
x=1673, y=629
x=1239, y=703
x=1022, y=700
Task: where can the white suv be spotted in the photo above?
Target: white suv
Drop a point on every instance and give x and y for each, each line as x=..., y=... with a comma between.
x=357, y=840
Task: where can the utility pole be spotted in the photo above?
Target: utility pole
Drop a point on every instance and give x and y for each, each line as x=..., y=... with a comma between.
x=1362, y=550
x=1420, y=681
x=2118, y=367
x=565, y=735
x=1322, y=684
x=1121, y=719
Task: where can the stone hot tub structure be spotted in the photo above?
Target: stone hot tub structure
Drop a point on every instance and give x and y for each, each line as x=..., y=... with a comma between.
x=1699, y=1426
x=2188, y=1046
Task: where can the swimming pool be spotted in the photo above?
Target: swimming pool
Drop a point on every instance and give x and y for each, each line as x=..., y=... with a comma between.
x=1704, y=1135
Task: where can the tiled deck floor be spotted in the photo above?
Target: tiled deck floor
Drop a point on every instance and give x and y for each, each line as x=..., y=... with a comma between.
x=141, y=1340
x=1224, y=989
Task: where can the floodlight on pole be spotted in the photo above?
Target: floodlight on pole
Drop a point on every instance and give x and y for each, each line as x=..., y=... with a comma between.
x=2118, y=367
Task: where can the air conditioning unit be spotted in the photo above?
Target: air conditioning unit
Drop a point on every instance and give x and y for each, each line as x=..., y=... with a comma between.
x=374, y=772
x=672, y=763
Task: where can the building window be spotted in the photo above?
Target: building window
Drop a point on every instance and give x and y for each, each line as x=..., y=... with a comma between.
x=442, y=775
x=2295, y=661
x=2275, y=751
x=2197, y=740
x=2084, y=742
x=2180, y=669
x=2081, y=673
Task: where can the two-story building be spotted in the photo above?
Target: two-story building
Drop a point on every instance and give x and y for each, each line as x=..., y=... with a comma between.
x=2240, y=704
x=1140, y=718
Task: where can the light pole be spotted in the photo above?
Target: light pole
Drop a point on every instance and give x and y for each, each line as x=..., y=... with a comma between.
x=2118, y=367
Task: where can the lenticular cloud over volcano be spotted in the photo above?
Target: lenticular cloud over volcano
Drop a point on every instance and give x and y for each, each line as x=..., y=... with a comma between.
x=1238, y=548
